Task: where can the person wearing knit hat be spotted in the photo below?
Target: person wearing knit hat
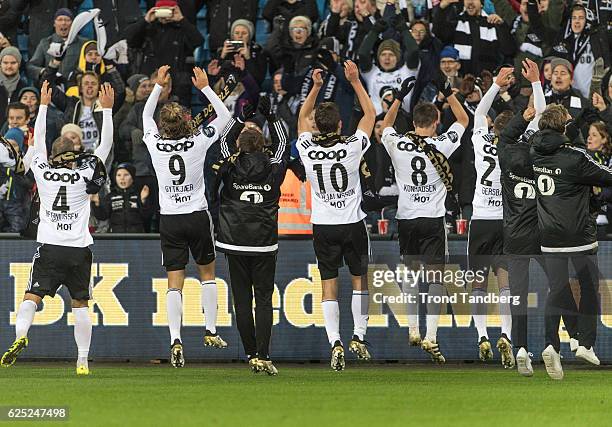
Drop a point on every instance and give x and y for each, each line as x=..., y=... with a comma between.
x=388, y=54
x=238, y=28
x=256, y=60
x=16, y=135
x=10, y=60
x=562, y=74
x=75, y=134
x=140, y=85
x=63, y=12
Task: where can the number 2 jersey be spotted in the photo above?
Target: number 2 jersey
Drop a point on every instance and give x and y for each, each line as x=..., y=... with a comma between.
x=179, y=166
x=421, y=191
x=64, y=202
x=487, y=202
x=333, y=173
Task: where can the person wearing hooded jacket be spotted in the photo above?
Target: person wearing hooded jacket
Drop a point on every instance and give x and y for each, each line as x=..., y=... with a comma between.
x=564, y=174
x=248, y=226
x=124, y=206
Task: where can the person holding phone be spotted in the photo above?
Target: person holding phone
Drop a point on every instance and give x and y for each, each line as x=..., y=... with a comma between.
x=241, y=43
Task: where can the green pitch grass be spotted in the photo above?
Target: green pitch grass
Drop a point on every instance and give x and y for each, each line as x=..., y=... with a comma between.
x=311, y=395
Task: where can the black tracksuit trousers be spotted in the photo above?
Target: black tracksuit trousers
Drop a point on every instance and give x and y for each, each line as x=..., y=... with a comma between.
x=248, y=275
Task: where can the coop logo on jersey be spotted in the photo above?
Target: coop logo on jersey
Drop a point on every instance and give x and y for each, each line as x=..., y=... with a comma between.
x=408, y=146
x=327, y=155
x=62, y=177
x=179, y=146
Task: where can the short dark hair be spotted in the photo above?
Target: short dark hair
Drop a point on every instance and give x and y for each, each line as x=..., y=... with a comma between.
x=327, y=117
x=501, y=121
x=425, y=114
x=18, y=106
x=251, y=141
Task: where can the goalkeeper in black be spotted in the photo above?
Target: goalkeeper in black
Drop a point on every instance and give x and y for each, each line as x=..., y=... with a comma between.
x=252, y=175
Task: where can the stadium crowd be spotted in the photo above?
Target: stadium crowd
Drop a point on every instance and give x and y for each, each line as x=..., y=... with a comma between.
x=465, y=43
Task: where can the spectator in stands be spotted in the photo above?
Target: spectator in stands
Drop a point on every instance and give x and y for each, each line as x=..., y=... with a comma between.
x=296, y=53
x=349, y=25
x=9, y=21
x=41, y=58
x=41, y=16
x=449, y=69
x=430, y=48
x=285, y=10
x=220, y=16
x=126, y=208
x=139, y=87
x=256, y=59
x=75, y=134
x=13, y=190
x=583, y=45
x=480, y=38
x=562, y=91
x=534, y=29
x=391, y=67
x=284, y=105
x=166, y=41
x=30, y=97
x=18, y=118
x=91, y=60
x=11, y=80
x=246, y=91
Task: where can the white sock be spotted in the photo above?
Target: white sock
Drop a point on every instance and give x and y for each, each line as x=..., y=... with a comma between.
x=209, y=304
x=433, y=311
x=479, y=313
x=360, y=304
x=411, y=290
x=174, y=308
x=82, y=332
x=331, y=316
x=25, y=317
x=504, y=313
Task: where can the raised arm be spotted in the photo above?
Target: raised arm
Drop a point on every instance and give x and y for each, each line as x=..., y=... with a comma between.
x=480, y=115
x=406, y=88
x=278, y=134
x=460, y=115
x=200, y=80
x=148, y=120
x=531, y=72
x=106, y=98
x=39, y=147
x=309, y=102
x=366, y=124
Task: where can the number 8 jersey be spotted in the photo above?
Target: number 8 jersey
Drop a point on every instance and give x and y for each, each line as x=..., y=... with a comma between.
x=179, y=166
x=421, y=191
x=333, y=173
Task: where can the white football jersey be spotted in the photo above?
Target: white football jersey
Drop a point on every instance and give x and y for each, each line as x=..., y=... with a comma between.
x=487, y=202
x=179, y=166
x=421, y=191
x=64, y=203
x=333, y=173
x=5, y=158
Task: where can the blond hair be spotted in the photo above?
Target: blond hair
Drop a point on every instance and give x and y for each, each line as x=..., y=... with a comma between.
x=554, y=117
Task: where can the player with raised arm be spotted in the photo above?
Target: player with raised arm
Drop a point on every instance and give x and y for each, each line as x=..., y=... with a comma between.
x=423, y=176
x=339, y=232
x=63, y=258
x=486, y=233
x=178, y=152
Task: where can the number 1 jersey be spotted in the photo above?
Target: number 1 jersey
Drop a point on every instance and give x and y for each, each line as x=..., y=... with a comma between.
x=333, y=173
x=179, y=166
x=421, y=191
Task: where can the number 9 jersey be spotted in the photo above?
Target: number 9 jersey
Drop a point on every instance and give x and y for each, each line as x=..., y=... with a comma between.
x=333, y=173
x=179, y=166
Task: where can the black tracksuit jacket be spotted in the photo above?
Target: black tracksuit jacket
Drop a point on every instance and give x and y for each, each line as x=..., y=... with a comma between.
x=564, y=175
x=248, y=215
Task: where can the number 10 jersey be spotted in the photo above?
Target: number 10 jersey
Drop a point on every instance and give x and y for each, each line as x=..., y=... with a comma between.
x=333, y=173
x=421, y=190
x=179, y=166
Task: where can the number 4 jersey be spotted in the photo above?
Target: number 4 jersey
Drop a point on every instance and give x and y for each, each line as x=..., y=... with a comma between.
x=333, y=173
x=179, y=166
x=64, y=203
x=487, y=203
x=421, y=191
